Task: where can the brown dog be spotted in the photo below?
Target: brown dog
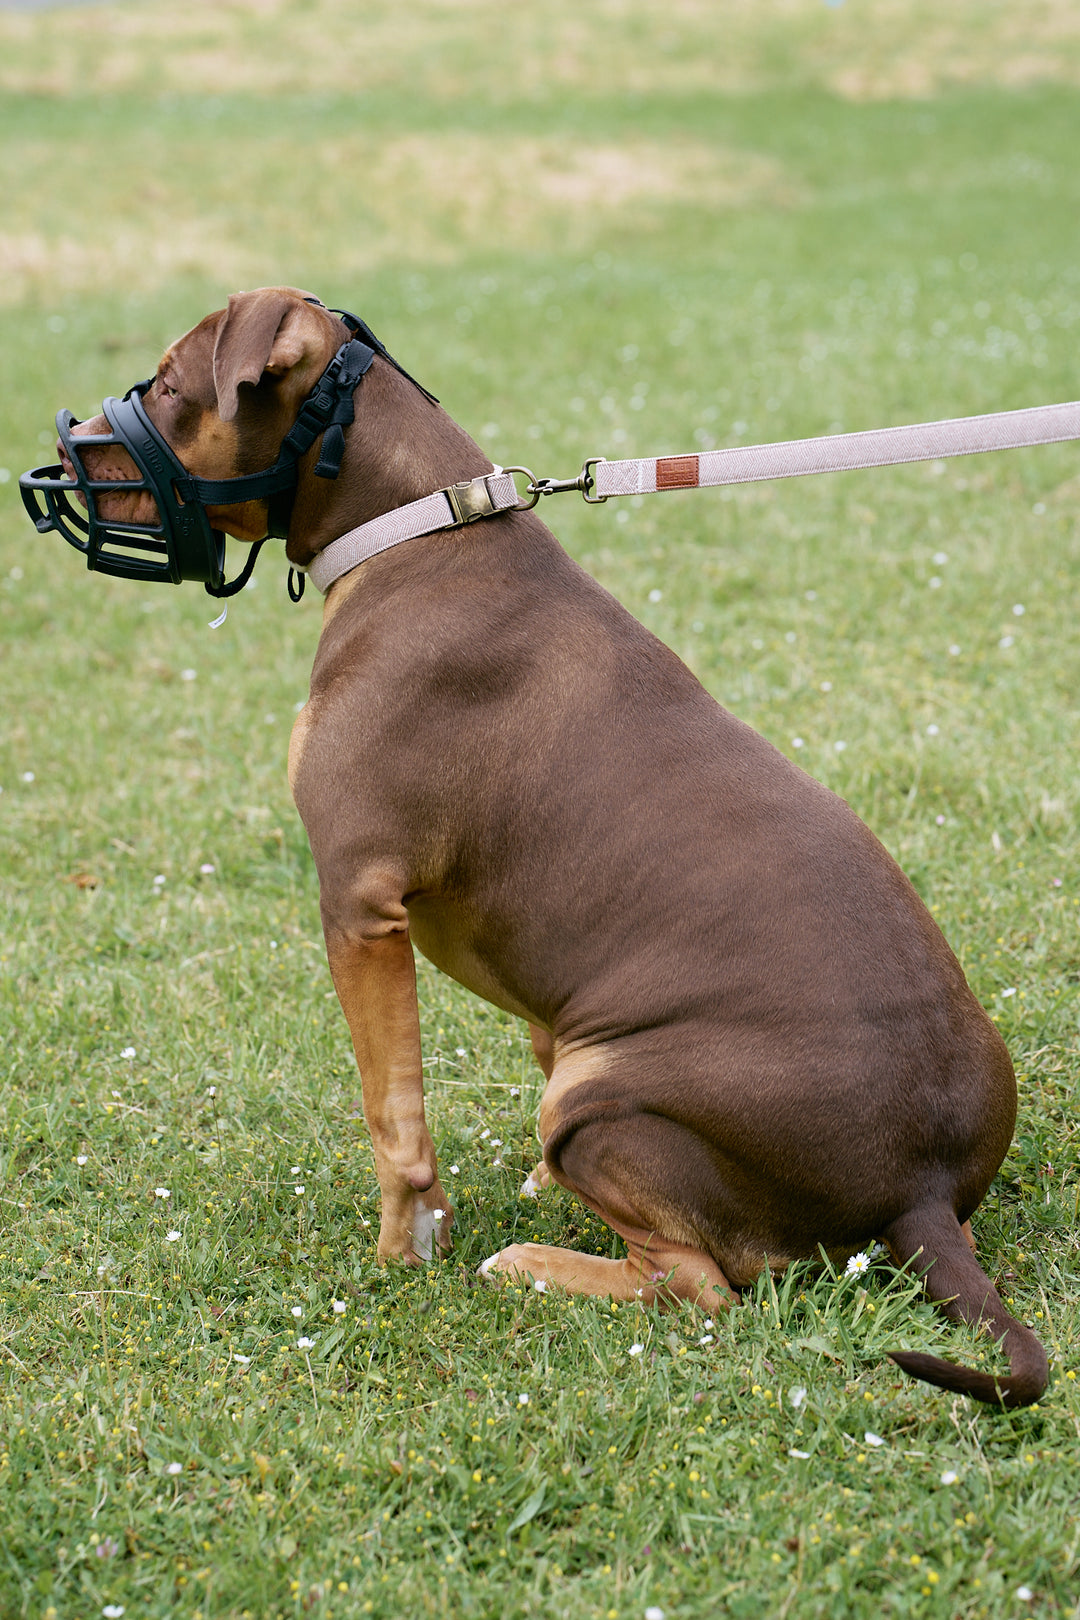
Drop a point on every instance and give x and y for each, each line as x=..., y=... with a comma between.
x=757, y=1043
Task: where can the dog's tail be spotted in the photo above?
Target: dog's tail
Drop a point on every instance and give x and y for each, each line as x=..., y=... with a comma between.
x=931, y=1236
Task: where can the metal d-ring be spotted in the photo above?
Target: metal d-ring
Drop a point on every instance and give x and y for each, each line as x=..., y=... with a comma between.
x=534, y=489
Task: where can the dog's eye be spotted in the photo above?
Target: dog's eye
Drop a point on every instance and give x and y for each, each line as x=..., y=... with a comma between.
x=167, y=389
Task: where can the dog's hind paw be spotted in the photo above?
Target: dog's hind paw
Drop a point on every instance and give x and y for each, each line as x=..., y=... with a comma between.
x=536, y=1181
x=520, y=1263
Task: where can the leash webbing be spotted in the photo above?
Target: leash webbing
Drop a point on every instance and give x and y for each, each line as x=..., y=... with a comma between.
x=706, y=469
x=839, y=452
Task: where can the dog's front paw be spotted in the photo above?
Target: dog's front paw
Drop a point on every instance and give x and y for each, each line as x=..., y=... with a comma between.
x=430, y=1229
x=418, y=1228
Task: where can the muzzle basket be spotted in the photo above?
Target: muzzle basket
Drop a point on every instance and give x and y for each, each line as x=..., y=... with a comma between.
x=180, y=545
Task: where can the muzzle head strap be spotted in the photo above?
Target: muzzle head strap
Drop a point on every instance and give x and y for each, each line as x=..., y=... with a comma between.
x=358, y=327
x=327, y=410
x=330, y=408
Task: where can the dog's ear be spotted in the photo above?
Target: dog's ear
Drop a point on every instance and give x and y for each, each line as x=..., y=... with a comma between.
x=265, y=332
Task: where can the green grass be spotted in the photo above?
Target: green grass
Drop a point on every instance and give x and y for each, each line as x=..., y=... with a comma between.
x=591, y=231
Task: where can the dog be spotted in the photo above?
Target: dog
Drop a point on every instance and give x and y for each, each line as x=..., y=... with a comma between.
x=757, y=1045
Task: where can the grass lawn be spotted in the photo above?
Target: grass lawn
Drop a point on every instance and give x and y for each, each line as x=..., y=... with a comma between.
x=618, y=229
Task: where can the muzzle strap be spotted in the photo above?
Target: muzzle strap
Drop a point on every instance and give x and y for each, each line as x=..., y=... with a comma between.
x=328, y=410
x=361, y=329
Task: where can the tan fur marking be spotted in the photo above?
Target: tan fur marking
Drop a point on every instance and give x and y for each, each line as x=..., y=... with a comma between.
x=570, y=1069
x=297, y=743
x=338, y=593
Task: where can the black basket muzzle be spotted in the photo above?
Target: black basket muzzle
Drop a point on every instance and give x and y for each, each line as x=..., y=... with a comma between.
x=180, y=545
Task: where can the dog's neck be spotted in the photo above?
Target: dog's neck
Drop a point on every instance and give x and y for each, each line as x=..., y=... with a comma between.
x=399, y=448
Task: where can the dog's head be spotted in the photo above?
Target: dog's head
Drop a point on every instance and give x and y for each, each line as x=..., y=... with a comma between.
x=223, y=397
x=222, y=440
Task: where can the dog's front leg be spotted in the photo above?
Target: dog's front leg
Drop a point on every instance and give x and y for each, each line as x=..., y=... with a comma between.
x=375, y=978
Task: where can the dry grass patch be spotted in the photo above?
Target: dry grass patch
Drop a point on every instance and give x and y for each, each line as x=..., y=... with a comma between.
x=447, y=48
x=35, y=265
x=914, y=50
x=435, y=192
x=423, y=198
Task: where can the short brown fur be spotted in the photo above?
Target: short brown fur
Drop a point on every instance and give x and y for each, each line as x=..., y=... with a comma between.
x=757, y=1042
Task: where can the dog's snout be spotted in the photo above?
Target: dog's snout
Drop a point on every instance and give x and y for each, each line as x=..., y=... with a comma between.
x=96, y=424
x=110, y=464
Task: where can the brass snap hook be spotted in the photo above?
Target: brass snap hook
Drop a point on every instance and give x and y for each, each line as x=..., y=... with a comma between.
x=584, y=483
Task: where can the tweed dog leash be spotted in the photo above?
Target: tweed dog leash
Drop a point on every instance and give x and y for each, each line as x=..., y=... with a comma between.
x=600, y=479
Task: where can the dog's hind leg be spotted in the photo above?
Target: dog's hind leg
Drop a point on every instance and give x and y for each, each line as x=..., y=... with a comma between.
x=655, y=1269
x=633, y=1170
